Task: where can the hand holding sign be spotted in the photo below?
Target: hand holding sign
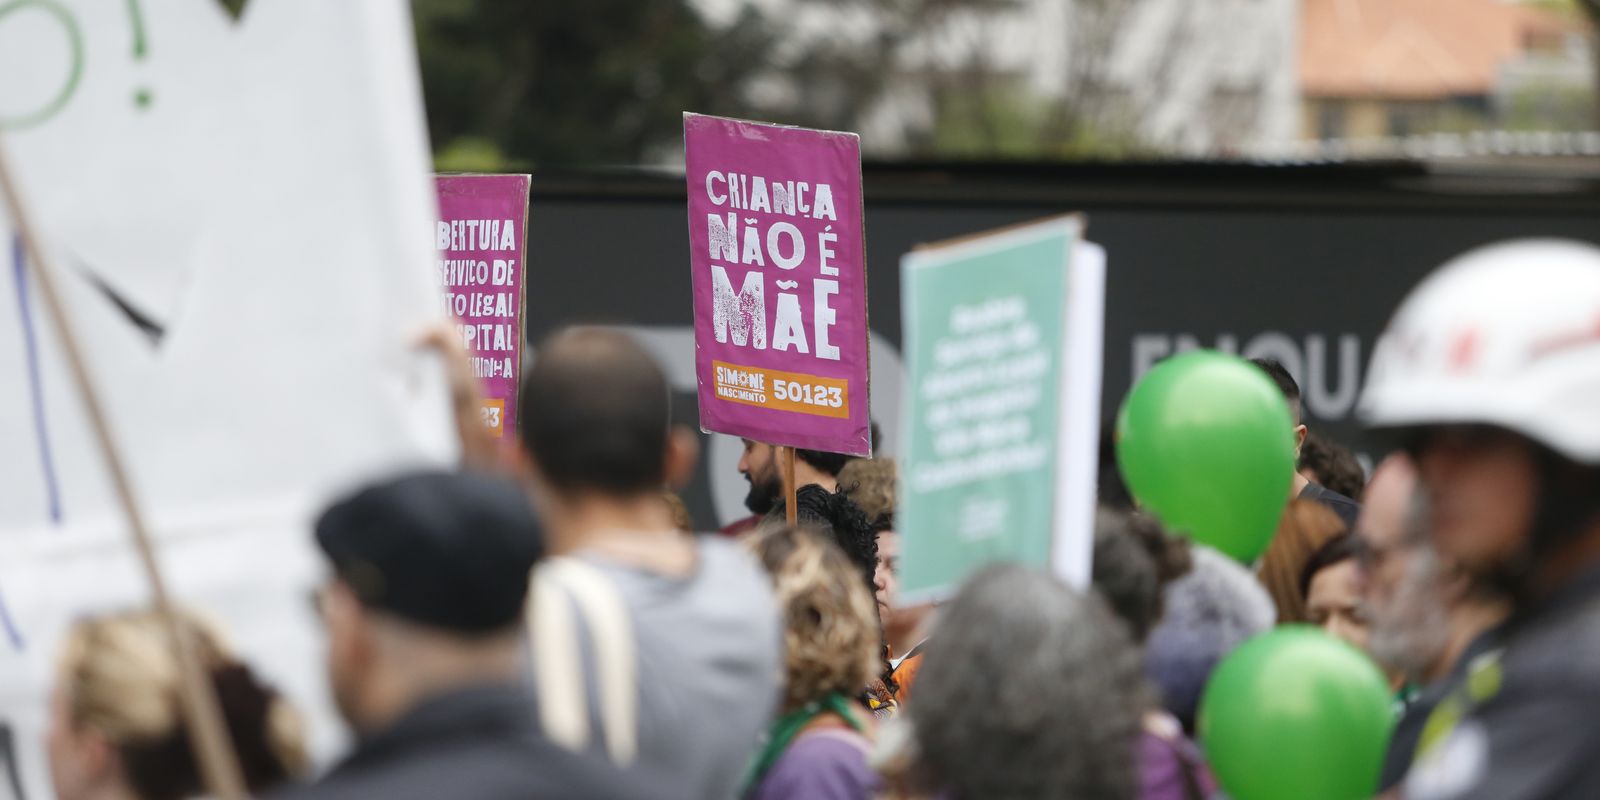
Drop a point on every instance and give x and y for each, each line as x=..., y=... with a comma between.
x=478, y=447
x=480, y=237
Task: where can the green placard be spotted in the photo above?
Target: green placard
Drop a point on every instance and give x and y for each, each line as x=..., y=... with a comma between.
x=985, y=319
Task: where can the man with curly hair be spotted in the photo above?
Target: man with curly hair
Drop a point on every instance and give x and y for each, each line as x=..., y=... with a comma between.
x=835, y=514
x=1331, y=465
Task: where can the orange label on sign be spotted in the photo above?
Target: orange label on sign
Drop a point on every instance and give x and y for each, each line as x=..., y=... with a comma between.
x=783, y=391
x=494, y=415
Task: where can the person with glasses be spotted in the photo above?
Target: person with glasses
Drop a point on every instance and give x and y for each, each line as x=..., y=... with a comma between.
x=1489, y=376
x=1429, y=618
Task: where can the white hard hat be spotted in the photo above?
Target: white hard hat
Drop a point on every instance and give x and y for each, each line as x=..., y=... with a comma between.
x=1505, y=335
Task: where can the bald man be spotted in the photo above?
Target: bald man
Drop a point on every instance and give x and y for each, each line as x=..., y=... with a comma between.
x=1428, y=617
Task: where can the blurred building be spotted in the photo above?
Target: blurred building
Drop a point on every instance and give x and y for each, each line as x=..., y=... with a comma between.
x=1209, y=78
x=1188, y=78
x=1374, y=70
x=1192, y=79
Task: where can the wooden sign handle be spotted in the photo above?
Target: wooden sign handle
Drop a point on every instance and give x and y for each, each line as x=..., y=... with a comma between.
x=789, y=489
x=208, y=736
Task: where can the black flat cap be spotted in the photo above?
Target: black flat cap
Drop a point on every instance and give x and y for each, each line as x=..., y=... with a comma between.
x=446, y=550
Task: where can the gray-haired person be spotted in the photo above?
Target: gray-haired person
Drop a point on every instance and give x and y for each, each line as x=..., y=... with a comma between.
x=1030, y=689
x=1430, y=618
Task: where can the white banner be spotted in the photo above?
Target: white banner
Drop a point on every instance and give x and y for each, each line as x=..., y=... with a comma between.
x=233, y=208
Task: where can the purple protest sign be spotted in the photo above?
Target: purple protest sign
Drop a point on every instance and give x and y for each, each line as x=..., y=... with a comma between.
x=481, y=236
x=780, y=283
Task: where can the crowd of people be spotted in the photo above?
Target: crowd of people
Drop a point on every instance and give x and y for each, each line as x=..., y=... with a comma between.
x=553, y=629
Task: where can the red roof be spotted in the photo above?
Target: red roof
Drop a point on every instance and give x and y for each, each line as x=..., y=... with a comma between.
x=1417, y=49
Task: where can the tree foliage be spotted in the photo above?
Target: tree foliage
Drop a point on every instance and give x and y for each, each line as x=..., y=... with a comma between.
x=601, y=81
x=604, y=81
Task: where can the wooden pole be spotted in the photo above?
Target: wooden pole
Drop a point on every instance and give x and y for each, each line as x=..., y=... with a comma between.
x=208, y=736
x=789, y=489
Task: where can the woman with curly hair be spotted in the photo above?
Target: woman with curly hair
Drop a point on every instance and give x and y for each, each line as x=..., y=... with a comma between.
x=116, y=729
x=818, y=746
x=838, y=518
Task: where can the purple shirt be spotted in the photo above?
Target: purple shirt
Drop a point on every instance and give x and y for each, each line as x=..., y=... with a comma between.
x=825, y=764
x=1172, y=769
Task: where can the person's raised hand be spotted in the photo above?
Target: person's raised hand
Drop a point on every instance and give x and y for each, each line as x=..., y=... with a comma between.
x=479, y=450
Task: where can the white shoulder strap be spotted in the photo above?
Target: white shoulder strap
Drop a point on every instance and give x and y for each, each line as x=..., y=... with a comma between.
x=562, y=699
x=557, y=664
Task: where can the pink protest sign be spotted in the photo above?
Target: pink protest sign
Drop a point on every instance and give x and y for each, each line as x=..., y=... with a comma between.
x=480, y=235
x=780, y=283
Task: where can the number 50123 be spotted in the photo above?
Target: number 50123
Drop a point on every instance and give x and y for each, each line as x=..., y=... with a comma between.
x=814, y=395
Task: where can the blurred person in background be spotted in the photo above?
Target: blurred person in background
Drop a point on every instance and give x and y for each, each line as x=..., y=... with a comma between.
x=1303, y=488
x=1134, y=561
x=760, y=468
x=817, y=749
x=1335, y=590
x=681, y=521
x=1110, y=489
x=1208, y=612
x=658, y=647
x=480, y=449
x=1334, y=582
x=423, y=611
x=117, y=728
x=1330, y=465
x=834, y=516
x=1489, y=377
x=871, y=483
x=886, y=574
x=1031, y=689
x=1306, y=526
x=905, y=627
x=1429, y=619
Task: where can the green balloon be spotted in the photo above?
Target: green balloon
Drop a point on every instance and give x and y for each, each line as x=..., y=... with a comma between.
x=1205, y=441
x=1296, y=713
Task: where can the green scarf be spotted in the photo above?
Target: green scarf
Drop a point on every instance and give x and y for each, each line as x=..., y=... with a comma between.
x=783, y=731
